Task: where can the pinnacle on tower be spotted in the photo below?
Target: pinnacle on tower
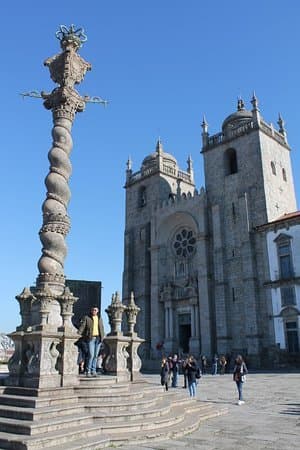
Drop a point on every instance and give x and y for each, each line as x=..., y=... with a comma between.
x=204, y=125
x=159, y=147
x=254, y=102
x=129, y=163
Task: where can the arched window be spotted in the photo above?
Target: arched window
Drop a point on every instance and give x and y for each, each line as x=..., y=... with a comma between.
x=273, y=168
x=284, y=174
x=230, y=162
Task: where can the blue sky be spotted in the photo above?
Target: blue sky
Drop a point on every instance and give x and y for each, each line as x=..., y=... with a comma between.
x=162, y=64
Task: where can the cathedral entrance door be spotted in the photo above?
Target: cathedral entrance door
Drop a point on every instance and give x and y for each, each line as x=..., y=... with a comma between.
x=184, y=322
x=184, y=337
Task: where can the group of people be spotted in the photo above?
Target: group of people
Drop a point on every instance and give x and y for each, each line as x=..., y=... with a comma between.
x=222, y=363
x=170, y=367
x=170, y=371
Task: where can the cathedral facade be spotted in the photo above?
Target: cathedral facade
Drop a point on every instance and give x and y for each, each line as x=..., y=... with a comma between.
x=195, y=260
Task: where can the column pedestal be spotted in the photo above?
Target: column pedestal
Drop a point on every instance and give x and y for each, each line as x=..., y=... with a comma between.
x=116, y=363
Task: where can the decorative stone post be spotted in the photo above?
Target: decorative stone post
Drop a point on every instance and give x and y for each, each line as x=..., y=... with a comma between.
x=45, y=354
x=135, y=362
x=116, y=362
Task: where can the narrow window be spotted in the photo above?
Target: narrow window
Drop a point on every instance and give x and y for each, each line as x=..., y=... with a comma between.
x=284, y=174
x=233, y=295
x=285, y=260
x=273, y=168
x=230, y=162
x=142, y=197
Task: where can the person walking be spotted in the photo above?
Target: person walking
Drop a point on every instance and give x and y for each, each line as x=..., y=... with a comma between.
x=175, y=371
x=191, y=375
x=165, y=373
x=239, y=376
x=184, y=371
x=203, y=364
x=214, y=365
x=223, y=364
x=92, y=330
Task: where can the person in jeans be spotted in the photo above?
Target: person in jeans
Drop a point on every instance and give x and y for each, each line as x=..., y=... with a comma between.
x=191, y=375
x=92, y=330
x=239, y=373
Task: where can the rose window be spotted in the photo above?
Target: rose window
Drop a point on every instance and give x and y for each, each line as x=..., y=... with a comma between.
x=184, y=244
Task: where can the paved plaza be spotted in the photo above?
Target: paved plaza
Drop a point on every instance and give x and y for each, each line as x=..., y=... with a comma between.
x=269, y=419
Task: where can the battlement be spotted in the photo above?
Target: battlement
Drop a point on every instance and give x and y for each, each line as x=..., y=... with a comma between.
x=184, y=199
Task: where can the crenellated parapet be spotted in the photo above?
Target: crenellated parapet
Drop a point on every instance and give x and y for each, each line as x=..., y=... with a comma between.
x=183, y=199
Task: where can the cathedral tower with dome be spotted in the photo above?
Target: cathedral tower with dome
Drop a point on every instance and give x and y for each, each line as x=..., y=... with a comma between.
x=194, y=259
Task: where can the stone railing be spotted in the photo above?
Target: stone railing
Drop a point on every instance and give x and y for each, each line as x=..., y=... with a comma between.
x=220, y=138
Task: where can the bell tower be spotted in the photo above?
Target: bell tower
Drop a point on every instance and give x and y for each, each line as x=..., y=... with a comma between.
x=249, y=182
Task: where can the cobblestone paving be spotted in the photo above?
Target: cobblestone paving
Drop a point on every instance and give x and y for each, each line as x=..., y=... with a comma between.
x=269, y=419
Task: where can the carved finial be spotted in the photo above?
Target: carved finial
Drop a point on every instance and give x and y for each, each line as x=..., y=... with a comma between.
x=254, y=101
x=240, y=104
x=70, y=35
x=204, y=125
x=281, y=124
x=189, y=164
x=129, y=163
x=159, y=147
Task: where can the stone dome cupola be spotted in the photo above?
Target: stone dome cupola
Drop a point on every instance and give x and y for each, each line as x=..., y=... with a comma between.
x=153, y=159
x=238, y=118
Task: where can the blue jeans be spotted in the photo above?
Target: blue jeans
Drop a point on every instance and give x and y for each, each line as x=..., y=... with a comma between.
x=94, y=348
x=214, y=369
x=192, y=388
x=174, y=379
x=239, y=385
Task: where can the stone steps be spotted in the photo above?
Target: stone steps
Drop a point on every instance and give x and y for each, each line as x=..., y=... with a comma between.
x=36, y=402
x=56, y=439
x=91, y=417
x=25, y=413
x=47, y=425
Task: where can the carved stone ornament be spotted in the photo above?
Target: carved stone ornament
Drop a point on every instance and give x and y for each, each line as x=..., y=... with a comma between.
x=131, y=312
x=115, y=312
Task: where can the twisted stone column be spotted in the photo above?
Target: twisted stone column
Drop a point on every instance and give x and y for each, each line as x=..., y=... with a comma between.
x=66, y=69
x=45, y=354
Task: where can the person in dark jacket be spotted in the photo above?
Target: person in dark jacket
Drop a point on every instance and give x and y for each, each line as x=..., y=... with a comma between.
x=165, y=373
x=191, y=375
x=239, y=376
x=92, y=330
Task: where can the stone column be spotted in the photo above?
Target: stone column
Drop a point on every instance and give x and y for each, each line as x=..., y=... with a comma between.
x=45, y=352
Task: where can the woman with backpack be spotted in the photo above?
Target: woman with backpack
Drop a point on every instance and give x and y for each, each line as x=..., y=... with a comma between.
x=165, y=373
x=192, y=369
x=239, y=376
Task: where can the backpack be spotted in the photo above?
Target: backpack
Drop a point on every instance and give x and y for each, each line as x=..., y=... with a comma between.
x=198, y=373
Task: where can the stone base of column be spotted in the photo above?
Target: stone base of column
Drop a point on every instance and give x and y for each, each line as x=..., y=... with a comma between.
x=116, y=362
x=135, y=362
x=43, y=359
